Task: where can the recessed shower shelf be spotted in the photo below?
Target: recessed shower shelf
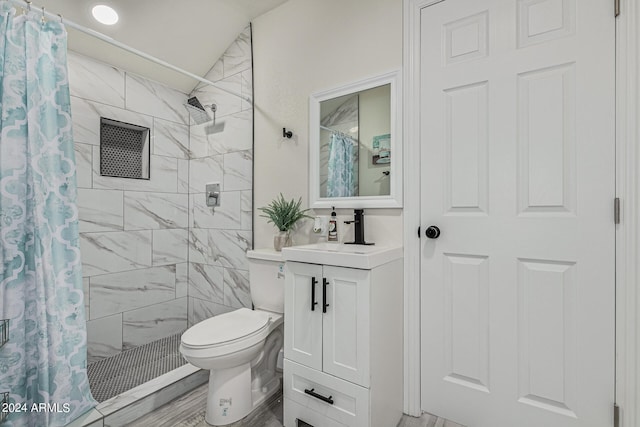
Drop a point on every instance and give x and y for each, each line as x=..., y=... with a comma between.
x=4, y=332
x=124, y=150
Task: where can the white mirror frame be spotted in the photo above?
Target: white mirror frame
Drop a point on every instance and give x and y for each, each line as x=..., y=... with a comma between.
x=394, y=199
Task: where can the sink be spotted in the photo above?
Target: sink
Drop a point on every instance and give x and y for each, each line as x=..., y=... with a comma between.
x=354, y=256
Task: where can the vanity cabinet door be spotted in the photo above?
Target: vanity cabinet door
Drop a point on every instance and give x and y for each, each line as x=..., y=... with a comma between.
x=303, y=325
x=346, y=323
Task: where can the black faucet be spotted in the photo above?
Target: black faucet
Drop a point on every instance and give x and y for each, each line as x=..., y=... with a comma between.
x=358, y=220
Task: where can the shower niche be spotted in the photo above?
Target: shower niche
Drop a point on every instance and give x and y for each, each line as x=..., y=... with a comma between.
x=124, y=150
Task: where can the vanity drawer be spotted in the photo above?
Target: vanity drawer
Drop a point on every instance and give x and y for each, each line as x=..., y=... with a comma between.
x=296, y=415
x=348, y=404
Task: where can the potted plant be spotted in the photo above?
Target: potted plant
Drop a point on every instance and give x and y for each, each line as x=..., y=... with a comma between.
x=284, y=215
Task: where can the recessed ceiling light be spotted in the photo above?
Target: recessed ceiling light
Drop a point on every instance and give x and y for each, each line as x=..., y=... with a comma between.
x=105, y=14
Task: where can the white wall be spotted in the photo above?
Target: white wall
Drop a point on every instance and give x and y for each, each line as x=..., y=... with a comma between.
x=302, y=47
x=375, y=119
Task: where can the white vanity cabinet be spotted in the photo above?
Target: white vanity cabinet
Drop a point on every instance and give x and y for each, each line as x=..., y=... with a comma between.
x=329, y=322
x=343, y=343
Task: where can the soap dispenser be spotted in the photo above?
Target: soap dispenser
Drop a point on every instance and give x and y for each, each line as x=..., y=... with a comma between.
x=333, y=228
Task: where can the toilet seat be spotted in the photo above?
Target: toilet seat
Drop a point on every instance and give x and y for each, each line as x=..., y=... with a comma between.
x=242, y=325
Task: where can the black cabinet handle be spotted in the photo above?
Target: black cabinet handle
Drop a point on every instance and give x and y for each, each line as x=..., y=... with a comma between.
x=325, y=283
x=313, y=294
x=311, y=392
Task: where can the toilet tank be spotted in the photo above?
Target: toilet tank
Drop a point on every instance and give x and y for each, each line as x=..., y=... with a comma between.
x=266, y=279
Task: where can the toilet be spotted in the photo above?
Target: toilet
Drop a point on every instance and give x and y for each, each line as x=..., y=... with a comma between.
x=240, y=348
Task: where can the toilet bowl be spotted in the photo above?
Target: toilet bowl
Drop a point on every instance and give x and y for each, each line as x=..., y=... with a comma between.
x=230, y=345
x=240, y=348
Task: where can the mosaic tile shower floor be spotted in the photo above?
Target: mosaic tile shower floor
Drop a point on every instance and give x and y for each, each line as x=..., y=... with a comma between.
x=116, y=374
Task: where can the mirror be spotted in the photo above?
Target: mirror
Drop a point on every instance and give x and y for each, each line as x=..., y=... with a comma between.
x=355, y=145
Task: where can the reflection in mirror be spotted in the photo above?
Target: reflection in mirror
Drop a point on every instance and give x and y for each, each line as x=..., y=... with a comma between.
x=355, y=144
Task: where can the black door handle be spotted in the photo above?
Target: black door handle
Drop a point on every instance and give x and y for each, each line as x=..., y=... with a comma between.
x=313, y=294
x=325, y=282
x=311, y=392
x=433, y=232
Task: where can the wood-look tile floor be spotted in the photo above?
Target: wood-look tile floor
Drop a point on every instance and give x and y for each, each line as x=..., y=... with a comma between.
x=426, y=420
x=188, y=411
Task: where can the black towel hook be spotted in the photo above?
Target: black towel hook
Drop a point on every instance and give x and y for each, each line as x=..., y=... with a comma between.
x=286, y=133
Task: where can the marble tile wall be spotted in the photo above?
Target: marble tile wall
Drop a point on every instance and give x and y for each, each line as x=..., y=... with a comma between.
x=134, y=233
x=156, y=259
x=219, y=237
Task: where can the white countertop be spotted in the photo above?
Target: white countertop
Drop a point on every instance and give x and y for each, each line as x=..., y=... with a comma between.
x=354, y=256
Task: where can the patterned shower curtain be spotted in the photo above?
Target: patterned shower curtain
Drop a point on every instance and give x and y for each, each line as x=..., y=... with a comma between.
x=343, y=166
x=43, y=365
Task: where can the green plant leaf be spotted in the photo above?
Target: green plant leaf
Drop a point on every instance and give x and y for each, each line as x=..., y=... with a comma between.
x=284, y=214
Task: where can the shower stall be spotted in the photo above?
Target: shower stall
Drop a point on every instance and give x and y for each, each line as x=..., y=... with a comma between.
x=156, y=259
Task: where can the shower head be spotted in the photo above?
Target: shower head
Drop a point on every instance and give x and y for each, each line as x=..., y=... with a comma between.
x=200, y=115
x=197, y=112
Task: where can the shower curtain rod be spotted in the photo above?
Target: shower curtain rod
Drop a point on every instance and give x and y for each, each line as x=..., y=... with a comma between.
x=338, y=132
x=26, y=5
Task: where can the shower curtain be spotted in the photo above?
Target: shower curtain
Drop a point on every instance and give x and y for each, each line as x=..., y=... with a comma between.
x=342, y=180
x=43, y=365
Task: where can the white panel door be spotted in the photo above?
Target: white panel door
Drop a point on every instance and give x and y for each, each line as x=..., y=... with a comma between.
x=517, y=141
x=345, y=326
x=303, y=305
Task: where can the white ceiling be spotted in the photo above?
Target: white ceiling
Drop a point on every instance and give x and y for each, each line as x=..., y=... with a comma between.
x=190, y=34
